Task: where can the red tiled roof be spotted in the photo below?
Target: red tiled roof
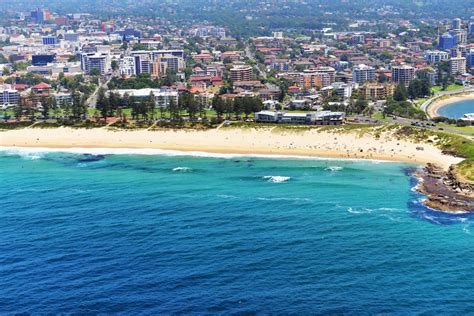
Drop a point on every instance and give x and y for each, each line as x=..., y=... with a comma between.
x=42, y=85
x=19, y=86
x=205, y=78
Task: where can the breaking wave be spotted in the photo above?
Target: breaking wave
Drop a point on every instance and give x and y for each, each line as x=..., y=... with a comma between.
x=277, y=179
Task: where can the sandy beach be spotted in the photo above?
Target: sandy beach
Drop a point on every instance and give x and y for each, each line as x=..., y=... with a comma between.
x=433, y=108
x=262, y=141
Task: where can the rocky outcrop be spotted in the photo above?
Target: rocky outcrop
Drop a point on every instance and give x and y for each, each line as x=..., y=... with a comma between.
x=456, y=185
x=445, y=191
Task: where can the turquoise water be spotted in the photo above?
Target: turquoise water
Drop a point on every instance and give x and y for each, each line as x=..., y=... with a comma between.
x=157, y=234
x=457, y=110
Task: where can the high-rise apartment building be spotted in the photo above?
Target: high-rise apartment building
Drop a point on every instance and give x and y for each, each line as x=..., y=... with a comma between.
x=241, y=73
x=363, y=73
x=456, y=24
x=457, y=65
x=403, y=74
x=99, y=61
x=127, y=66
x=436, y=56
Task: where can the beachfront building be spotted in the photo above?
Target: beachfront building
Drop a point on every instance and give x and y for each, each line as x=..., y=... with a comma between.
x=162, y=97
x=310, y=118
x=62, y=98
x=9, y=97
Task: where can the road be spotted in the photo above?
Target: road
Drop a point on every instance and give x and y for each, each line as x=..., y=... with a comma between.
x=92, y=100
x=249, y=55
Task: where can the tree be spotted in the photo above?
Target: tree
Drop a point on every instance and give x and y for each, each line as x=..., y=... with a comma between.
x=95, y=72
x=251, y=105
x=46, y=106
x=19, y=110
x=174, y=110
x=382, y=78
x=151, y=104
x=238, y=107
x=102, y=103
x=360, y=105
x=189, y=103
x=113, y=103
x=400, y=93
x=135, y=108
x=143, y=108
x=114, y=65
x=170, y=78
x=228, y=107
x=283, y=85
x=78, y=108
x=124, y=101
x=218, y=106
x=55, y=107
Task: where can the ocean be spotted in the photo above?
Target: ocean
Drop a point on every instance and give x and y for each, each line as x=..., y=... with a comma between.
x=458, y=109
x=122, y=232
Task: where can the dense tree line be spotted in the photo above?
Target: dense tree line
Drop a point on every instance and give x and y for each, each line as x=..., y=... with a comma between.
x=237, y=106
x=398, y=105
x=419, y=88
x=112, y=104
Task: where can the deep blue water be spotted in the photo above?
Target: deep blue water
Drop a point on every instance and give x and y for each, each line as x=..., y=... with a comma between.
x=131, y=234
x=457, y=110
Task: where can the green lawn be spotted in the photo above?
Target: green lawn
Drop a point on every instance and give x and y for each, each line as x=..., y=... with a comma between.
x=420, y=101
x=451, y=87
x=468, y=129
x=377, y=115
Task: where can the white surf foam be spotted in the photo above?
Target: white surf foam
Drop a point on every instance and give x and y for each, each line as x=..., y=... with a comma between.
x=276, y=179
x=165, y=152
x=182, y=169
x=334, y=168
x=466, y=229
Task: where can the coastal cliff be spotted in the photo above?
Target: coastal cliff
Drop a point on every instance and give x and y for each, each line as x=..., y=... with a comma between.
x=445, y=191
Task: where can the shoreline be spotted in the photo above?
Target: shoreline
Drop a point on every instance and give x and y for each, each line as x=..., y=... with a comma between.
x=189, y=153
x=433, y=108
x=234, y=141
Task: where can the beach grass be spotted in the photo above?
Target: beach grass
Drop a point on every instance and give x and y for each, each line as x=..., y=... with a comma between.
x=15, y=125
x=456, y=145
x=465, y=170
